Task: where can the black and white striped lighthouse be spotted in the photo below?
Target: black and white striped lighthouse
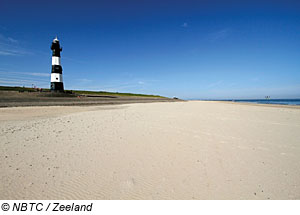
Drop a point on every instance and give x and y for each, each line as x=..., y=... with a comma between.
x=56, y=74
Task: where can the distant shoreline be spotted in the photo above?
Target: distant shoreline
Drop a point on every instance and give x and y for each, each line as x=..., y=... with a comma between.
x=253, y=103
x=294, y=101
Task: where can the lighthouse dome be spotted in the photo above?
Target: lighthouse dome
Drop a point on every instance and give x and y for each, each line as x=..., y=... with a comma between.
x=55, y=40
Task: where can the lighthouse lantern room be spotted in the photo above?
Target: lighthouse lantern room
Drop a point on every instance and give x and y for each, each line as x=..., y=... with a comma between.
x=56, y=74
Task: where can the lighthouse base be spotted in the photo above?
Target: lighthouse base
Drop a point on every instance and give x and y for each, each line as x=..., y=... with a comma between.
x=57, y=87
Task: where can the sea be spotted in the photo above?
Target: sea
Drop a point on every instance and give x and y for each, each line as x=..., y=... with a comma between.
x=268, y=101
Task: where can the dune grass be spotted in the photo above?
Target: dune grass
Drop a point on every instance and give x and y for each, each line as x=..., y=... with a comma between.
x=81, y=92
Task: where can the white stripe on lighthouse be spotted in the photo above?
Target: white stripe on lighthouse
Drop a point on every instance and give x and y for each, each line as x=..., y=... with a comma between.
x=55, y=60
x=56, y=77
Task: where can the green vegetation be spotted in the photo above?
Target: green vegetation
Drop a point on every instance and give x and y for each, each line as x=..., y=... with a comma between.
x=112, y=93
x=81, y=92
x=22, y=89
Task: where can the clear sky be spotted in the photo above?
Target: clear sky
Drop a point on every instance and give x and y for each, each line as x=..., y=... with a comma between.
x=189, y=49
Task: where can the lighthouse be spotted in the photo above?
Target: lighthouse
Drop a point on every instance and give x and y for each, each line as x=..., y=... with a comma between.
x=56, y=74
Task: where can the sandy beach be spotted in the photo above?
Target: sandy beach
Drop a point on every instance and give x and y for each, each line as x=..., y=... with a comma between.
x=169, y=150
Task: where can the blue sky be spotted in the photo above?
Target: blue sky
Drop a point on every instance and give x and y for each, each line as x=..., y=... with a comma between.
x=189, y=49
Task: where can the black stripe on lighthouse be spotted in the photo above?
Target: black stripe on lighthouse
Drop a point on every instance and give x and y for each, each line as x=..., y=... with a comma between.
x=56, y=74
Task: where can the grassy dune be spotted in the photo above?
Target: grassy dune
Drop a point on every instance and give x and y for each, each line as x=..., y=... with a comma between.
x=82, y=92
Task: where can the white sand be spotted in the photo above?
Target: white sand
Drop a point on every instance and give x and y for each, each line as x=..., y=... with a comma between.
x=184, y=150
